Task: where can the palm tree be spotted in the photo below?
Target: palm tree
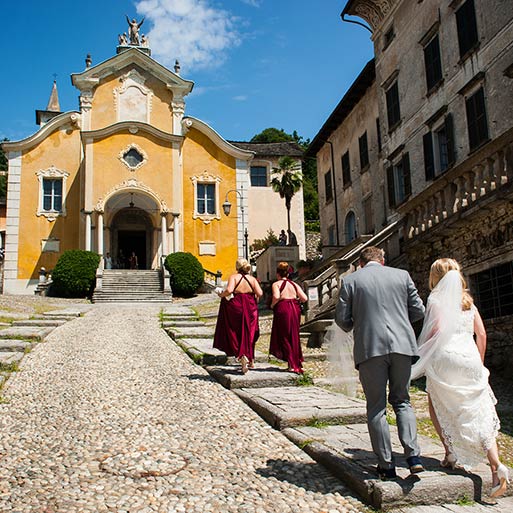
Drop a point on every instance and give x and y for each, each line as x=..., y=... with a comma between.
x=287, y=181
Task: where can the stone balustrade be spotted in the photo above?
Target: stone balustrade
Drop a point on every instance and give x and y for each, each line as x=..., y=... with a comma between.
x=483, y=174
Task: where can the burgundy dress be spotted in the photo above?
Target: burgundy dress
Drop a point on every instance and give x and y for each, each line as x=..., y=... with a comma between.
x=237, y=324
x=285, y=343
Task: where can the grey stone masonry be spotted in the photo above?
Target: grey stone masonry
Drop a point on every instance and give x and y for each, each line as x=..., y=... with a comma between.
x=194, y=332
x=26, y=332
x=7, y=358
x=178, y=311
x=346, y=450
x=298, y=406
x=14, y=345
x=182, y=324
x=43, y=323
x=263, y=375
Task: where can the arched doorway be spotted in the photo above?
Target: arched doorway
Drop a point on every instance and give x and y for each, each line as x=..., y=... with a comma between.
x=132, y=229
x=350, y=227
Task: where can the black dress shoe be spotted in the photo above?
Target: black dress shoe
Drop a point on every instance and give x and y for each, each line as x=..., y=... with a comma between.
x=415, y=465
x=386, y=474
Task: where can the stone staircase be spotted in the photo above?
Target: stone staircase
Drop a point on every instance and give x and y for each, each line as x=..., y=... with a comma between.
x=129, y=285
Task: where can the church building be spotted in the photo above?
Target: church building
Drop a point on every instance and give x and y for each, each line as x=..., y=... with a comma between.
x=129, y=172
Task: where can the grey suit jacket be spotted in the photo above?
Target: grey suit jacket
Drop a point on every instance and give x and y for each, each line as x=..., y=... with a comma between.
x=380, y=303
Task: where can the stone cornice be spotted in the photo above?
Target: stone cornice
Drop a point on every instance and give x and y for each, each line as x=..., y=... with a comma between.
x=372, y=11
x=56, y=123
x=188, y=123
x=133, y=127
x=90, y=78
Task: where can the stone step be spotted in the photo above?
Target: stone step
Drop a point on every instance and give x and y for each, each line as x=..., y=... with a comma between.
x=40, y=322
x=25, y=332
x=300, y=406
x=179, y=323
x=201, y=351
x=264, y=375
x=10, y=358
x=130, y=300
x=193, y=332
x=68, y=312
x=178, y=313
x=346, y=451
x=14, y=346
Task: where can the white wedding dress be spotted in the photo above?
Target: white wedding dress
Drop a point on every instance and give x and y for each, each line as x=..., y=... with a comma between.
x=457, y=383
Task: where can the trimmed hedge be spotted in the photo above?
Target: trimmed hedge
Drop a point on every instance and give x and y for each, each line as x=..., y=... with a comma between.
x=74, y=274
x=187, y=274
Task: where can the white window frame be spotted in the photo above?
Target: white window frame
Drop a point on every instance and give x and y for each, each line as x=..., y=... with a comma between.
x=208, y=179
x=54, y=174
x=133, y=146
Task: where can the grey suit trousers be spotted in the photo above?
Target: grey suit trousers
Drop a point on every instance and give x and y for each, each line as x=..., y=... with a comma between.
x=375, y=373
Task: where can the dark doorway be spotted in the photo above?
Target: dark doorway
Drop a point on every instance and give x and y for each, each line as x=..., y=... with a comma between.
x=129, y=241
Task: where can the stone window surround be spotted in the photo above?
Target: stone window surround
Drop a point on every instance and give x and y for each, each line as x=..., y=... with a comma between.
x=123, y=152
x=53, y=173
x=206, y=178
x=262, y=163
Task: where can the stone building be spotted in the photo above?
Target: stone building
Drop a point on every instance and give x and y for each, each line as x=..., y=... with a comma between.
x=130, y=171
x=443, y=95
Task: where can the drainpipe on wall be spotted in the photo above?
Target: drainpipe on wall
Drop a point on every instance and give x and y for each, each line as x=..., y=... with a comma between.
x=334, y=190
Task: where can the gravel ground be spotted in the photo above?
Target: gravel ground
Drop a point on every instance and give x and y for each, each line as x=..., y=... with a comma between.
x=109, y=415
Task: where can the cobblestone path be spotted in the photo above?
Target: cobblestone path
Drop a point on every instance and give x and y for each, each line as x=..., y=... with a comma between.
x=109, y=415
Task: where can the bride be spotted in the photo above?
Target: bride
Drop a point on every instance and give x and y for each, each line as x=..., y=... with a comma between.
x=461, y=402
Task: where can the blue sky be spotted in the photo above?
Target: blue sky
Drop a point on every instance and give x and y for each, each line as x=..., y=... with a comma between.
x=255, y=63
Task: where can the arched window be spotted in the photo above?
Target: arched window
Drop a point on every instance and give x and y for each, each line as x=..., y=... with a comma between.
x=350, y=227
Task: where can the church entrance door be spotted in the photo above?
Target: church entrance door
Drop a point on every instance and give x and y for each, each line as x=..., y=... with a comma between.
x=133, y=241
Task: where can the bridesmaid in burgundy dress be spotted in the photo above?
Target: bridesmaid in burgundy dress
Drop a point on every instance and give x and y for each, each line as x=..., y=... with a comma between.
x=285, y=343
x=237, y=323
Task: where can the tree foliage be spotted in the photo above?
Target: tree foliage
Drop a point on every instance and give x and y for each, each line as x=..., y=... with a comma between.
x=269, y=240
x=3, y=168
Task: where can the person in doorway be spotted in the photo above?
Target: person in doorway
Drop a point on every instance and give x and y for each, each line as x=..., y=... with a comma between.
x=121, y=264
x=461, y=402
x=237, y=323
x=108, y=261
x=132, y=261
x=282, y=239
x=380, y=303
x=285, y=342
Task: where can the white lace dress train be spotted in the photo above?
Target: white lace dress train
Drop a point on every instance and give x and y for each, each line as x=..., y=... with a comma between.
x=463, y=401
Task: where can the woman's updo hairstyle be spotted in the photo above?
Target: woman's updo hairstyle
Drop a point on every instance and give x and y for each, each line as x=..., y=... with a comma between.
x=242, y=266
x=283, y=269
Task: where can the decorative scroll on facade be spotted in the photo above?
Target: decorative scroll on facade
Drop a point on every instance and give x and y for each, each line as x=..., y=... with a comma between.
x=372, y=11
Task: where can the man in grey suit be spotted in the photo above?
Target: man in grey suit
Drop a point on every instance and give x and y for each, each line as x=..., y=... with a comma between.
x=379, y=303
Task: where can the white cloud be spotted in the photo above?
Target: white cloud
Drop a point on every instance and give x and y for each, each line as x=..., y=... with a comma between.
x=192, y=31
x=253, y=3
x=240, y=98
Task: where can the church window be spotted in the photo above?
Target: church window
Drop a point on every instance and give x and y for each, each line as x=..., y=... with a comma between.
x=52, y=194
x=133, y=158
x=206, y=196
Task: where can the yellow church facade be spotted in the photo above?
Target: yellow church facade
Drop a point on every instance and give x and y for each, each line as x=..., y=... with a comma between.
x=128, y=172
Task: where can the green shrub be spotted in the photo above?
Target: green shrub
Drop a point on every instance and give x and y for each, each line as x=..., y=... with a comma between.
x=186, y=272
x=75, y=273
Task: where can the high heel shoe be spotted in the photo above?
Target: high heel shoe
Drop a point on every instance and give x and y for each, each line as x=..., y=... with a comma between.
x=244, y=363
x=502, y=475
x=251, y=364
x=449, y=461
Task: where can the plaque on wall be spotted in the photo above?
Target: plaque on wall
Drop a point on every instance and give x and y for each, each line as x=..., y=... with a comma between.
x=207, y=248
x=50, y=245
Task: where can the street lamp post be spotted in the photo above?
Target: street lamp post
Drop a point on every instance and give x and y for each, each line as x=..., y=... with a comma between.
x=226, y=209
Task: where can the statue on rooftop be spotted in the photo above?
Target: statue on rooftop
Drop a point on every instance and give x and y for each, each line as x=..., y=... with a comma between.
x=133, y=30
x=123, y=40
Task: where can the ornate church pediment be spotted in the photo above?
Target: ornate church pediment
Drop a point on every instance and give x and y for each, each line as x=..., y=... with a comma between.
x=132, y=99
